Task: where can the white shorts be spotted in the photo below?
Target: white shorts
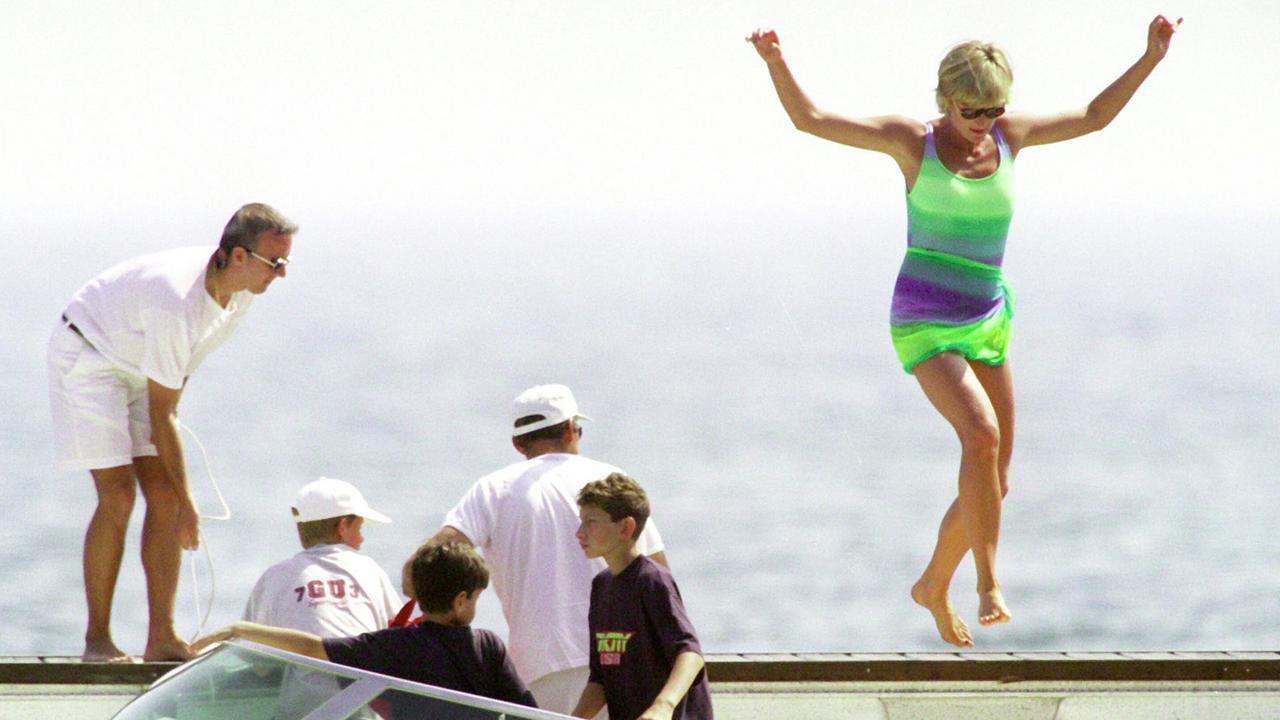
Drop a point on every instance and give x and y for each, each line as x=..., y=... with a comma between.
x=100, y=413
x=559, y=691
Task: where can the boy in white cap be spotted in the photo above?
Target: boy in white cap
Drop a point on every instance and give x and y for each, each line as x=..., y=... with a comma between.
x=329, y=589
x=523, y=518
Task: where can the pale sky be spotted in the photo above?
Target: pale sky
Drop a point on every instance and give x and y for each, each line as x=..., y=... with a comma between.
x=427, y=110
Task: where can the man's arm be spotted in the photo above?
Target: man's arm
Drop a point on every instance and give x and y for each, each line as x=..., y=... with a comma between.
x=660, y=557
x=450, y=534
x=687, y=666
x=294, y=641
x=162, y=407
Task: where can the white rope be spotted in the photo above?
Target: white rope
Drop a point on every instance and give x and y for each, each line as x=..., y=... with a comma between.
x=201, y=619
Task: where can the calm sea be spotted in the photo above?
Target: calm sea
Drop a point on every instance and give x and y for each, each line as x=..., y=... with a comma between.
x=743, y=374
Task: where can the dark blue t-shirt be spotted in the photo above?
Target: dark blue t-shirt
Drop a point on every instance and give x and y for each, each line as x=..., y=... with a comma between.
x=638, y=627
x=455, y=657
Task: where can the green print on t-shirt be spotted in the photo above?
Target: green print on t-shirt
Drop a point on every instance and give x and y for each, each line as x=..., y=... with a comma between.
x=612, y=646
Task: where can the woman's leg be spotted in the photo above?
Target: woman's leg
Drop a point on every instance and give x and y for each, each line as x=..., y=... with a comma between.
x=998, y=382
x=973, y=520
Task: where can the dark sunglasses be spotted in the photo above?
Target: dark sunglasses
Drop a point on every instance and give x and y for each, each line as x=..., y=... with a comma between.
x=577, y=429
x=973, y=113
x=273, y=263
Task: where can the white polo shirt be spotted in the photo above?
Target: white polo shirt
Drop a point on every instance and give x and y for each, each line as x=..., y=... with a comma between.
x=327, y=590
x=152, y=317
x=524, y=519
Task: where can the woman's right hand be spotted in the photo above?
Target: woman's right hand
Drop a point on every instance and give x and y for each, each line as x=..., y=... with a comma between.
x=1159, y=33
x=766, y=43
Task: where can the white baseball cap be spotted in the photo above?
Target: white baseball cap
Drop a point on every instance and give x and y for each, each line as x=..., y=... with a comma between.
x=555, y=403
x=327, y=498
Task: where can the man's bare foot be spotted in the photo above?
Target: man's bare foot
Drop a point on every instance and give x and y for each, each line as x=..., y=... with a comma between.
x=991, y=607
x=104, y=651
x=950, y=626
x=172, y=650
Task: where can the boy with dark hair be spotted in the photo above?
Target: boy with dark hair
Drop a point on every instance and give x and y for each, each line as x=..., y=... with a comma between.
x=443, y=650
x=646, y=662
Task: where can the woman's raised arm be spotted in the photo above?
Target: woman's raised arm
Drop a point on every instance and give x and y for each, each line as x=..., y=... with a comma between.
x=893, y=135
x=1025, y=130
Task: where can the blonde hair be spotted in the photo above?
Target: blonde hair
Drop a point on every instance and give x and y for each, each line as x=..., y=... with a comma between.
x=974, y=74
x=321, y=532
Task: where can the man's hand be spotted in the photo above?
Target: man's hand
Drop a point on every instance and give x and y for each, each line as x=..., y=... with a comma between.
x=188, y=524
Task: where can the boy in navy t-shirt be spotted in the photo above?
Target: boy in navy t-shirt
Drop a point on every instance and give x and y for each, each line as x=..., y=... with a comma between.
x=443, y=650
x=646, y=663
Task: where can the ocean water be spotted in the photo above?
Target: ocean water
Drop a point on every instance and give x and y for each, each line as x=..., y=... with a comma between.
x=742, y=372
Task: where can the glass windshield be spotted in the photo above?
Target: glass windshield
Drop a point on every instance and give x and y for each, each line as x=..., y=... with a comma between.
x=240, y=684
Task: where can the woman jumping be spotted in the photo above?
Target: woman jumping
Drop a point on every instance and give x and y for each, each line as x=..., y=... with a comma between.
x=951, y=308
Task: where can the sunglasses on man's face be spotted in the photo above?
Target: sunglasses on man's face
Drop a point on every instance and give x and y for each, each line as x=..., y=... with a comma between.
x=273, y=263
x=973, y=113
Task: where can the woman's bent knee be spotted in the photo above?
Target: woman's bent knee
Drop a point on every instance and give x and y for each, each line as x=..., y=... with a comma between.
x=981, y=437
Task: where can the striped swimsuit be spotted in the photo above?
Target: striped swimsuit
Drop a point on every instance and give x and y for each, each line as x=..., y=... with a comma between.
x=950, y=294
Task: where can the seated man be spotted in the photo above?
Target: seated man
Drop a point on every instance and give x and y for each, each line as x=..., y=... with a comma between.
x=443, y=650
x=329, y=589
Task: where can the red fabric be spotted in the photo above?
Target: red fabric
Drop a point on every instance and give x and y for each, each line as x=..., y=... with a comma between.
x=402, y=618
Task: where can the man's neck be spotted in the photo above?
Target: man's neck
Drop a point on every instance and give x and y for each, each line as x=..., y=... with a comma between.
x=217, y=284
x=546, y=449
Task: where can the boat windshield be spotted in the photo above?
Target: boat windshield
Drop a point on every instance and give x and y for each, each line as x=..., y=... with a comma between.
x=245, y=681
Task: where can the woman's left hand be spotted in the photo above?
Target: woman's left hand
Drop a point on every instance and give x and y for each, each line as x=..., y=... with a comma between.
x=1159, y=33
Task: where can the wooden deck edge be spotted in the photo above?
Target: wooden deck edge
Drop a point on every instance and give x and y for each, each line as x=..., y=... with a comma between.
x=811, y=667
x=64, y=671
x=959, y=667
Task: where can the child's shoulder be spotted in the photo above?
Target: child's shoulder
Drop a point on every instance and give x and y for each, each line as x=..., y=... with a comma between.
x=489, y=644
x=648, y=575
x=652, y=571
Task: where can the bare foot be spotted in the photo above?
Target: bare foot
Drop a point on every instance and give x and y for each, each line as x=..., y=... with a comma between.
x=950, y=626
x=991, y=607
x=172, y=650
x=104, y=651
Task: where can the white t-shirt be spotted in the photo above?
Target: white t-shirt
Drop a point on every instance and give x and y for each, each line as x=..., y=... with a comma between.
x=151, y=316
x=327, y=590
x=524, y=518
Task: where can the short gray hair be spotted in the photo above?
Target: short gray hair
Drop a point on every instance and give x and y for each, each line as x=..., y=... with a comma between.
x=248, y=224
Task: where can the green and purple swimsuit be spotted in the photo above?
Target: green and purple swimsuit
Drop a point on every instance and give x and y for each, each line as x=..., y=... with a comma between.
x=950, y=294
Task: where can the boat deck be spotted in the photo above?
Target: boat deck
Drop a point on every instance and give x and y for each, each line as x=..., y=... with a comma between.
x=859, y=686
x=994, y=667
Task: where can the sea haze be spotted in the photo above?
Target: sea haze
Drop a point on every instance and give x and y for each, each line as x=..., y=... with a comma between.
x=743, y=374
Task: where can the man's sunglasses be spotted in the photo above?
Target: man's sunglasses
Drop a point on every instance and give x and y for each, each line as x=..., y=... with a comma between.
x=273, y=263
x=973, y=113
